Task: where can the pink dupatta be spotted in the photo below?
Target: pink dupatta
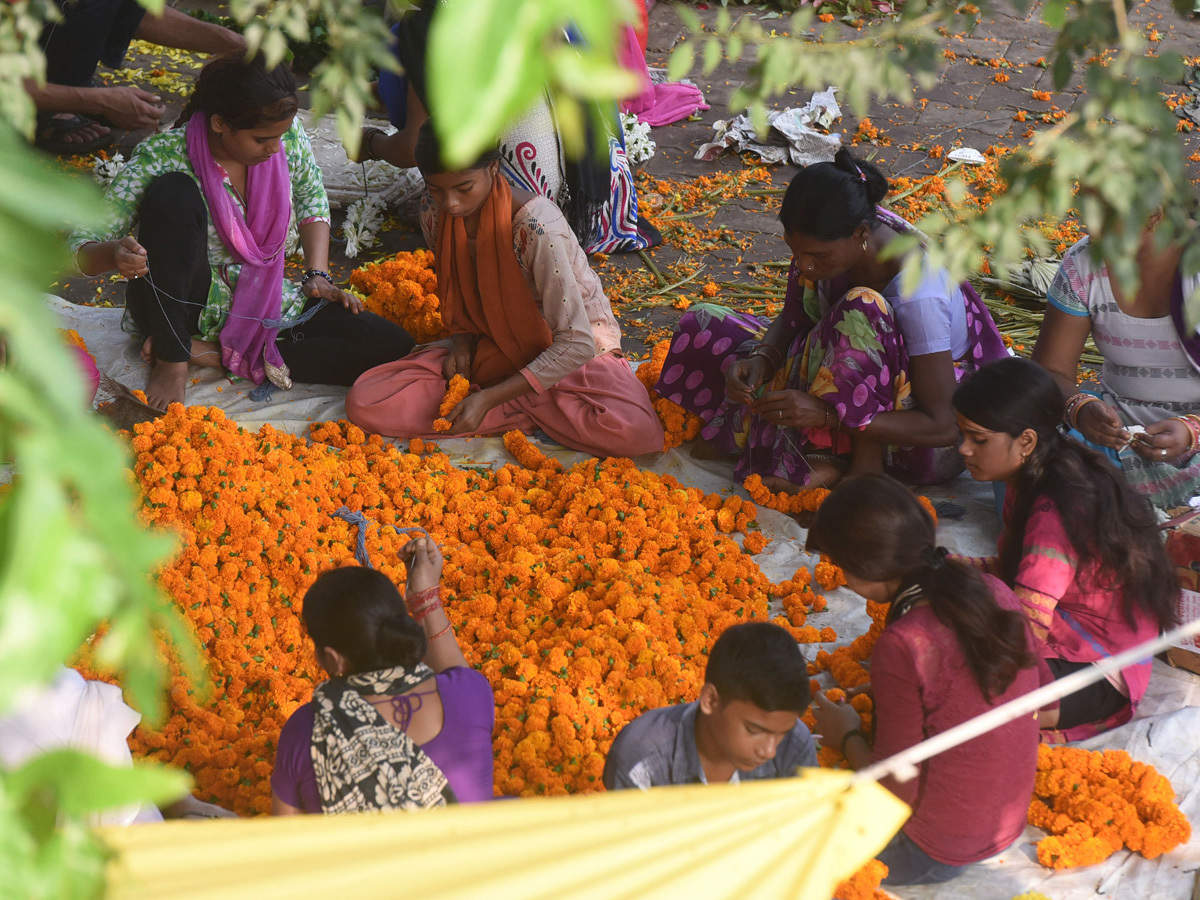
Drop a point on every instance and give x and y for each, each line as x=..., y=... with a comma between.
x=256, y=240
x=655, y=104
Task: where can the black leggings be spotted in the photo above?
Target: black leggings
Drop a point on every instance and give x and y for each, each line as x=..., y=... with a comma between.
x=1094, y=703
x=333, y=347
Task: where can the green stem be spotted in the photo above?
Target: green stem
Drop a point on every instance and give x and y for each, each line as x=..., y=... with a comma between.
x=672, y=287
x=652, y=267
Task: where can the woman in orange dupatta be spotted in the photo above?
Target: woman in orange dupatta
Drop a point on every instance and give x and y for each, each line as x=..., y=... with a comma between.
x=530, y=326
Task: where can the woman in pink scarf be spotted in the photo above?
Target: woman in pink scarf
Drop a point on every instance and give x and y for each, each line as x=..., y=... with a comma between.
x=213, y=201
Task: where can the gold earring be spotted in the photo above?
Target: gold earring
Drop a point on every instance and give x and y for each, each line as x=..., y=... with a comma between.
x=864, y=246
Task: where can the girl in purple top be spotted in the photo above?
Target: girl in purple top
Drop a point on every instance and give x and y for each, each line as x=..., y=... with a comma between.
x=856, y=370
x=953, y=647
x=403, y=722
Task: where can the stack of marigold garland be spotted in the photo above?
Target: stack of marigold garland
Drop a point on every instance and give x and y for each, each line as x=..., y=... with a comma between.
x=404, y=290
x=585, y=596
x=1094, y=803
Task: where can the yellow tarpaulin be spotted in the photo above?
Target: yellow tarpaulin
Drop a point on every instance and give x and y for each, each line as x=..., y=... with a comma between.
x=792, y=838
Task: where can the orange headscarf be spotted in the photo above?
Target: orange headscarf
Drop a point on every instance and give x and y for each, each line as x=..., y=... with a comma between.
x=488, y=295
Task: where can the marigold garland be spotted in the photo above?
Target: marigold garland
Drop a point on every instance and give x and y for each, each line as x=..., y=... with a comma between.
x=801, y=501
x=1093, y=803
x=679, y=425
x=585, y=595
x=404, y=290
x=456, y=390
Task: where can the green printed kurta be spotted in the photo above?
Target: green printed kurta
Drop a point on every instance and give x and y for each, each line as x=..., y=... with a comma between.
x=162, y=154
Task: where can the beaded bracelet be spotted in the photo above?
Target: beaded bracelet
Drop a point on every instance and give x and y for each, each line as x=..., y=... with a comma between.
x=1074, y=404
x=315, y=273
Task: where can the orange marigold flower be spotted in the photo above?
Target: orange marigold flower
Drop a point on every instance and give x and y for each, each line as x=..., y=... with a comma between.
x=404, y=290
x=457, y=388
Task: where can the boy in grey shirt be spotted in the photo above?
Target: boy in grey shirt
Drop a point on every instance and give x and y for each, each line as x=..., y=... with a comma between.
x=745, y=724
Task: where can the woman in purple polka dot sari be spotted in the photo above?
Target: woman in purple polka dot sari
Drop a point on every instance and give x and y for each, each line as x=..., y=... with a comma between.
x=855, y=372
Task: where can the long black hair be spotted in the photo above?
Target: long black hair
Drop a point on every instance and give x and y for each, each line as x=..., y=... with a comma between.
x=359, y=613
x=828, y=200
x=874, y=528
x=243, y=92
x=1106, y=520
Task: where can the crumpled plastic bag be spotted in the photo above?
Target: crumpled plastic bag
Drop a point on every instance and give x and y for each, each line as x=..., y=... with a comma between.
x=797, y=134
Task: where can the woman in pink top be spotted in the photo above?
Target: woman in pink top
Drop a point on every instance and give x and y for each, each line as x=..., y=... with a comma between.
x=954, y=646
x=530, y=326
x=1081, y=548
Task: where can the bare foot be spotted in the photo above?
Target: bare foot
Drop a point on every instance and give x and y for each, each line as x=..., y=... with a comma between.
x=823, y=474
x=206, y=354
x=167, y=384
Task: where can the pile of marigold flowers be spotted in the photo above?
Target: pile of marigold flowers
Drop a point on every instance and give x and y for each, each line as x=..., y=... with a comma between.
x=404, y=290
x=585, y=595
x=1094, y=803
x=679, y=425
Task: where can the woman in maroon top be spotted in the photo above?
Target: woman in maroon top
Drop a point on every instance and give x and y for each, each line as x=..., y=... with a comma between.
x=954, y=646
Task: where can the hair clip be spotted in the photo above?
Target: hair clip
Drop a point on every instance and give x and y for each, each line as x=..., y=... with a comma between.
x=861, y=177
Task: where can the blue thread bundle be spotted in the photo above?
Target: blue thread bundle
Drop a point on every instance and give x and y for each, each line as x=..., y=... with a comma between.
x=364, y=525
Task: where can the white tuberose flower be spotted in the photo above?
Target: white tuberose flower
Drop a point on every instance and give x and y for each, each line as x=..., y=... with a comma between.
x=363, y=218
x=105, y=170
x=639, y=146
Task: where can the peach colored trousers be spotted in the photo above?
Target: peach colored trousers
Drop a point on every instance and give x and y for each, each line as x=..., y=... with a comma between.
x=600, y=408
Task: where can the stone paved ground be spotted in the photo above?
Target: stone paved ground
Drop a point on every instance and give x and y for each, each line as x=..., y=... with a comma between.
x=965, y=108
